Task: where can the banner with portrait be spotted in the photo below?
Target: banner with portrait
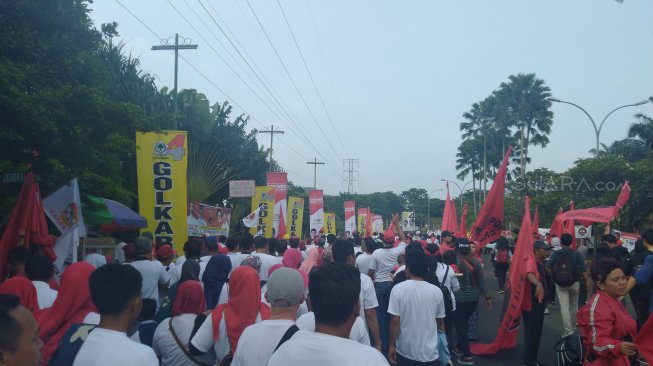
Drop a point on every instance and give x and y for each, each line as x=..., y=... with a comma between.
x=408, y=221
x=316, y=210
x=206, y=220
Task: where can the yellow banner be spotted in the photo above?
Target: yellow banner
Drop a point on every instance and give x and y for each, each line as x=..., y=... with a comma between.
x=295, y=216
x=162, y=160
x=264, y=198
x=330, y=219
x=361, y=224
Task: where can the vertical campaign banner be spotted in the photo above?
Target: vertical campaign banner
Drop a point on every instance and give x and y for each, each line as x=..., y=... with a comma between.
x=263, y=201
x=161, y=161
x=350, y=217
x=295, y=217
x=279, y=181
x=316, y=211
x=330, y=219
x=377, y=223
x=362, y=221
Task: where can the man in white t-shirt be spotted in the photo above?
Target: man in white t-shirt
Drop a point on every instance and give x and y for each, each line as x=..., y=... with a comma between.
x=267, y=260
x=359, y=332
x=383, y=260
x=192, y=250
x=39, y=270
x=343, y=252
x=116, y=292
x=334, y=291
x=417, y=309
x=285, y=292
x=365, y=258
x=154, y=275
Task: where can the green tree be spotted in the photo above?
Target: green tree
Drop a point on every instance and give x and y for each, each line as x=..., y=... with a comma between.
x=526, y=99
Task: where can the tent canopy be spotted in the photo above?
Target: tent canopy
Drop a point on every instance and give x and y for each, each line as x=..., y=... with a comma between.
x=102, y=211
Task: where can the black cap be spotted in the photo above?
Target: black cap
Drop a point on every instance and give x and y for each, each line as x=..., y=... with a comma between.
x=541, y=245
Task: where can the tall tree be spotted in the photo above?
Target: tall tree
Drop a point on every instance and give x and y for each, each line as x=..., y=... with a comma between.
x=526, y=99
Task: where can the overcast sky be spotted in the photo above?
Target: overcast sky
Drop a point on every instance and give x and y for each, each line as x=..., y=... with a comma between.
x=396, y=76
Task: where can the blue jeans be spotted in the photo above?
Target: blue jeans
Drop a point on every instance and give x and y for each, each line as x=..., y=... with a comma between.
x=382, y=290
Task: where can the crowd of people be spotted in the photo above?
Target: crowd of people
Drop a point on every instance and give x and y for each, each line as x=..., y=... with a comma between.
x=392, y=298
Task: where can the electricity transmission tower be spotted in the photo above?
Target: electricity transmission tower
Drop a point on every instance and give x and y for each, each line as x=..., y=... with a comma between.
x=350, y=168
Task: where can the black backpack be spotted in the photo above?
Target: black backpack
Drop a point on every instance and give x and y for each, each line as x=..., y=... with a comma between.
x=564, y=269
x=446, y=294
x=569, y=351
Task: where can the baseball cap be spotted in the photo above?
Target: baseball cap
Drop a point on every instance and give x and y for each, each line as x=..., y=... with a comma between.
x=463, y=246
x=285, y=284
x=164, y=252
x=541, y=245
x=446, y=233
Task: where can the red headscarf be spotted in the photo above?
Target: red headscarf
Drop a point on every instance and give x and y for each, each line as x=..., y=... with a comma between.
x=292, y=258
x=24, y=289
x=243, y=306
x=189, y=299
x=73, y=303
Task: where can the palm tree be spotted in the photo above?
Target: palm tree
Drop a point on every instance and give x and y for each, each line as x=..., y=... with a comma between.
x=468, y=160
x=642, y=130
x=526, y=98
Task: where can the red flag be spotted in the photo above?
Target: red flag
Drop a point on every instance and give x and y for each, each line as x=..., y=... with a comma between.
x=509, y=326
x=368, y=222
x=594, y=214
x=449, y=221
x=489, y=221
x=27, y=224
x=556, y=226
x=624, y=195
x=570, y=226
x=536, y=224
x=643, y=340
x=462, y=228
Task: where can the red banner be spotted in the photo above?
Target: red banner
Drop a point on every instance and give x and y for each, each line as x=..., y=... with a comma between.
x=350, y=217
x=279, y=181
x=509, y=326
x=624, y=195
x=449, y=220
x=462, y=227
x=489, y=222
x=316, y=209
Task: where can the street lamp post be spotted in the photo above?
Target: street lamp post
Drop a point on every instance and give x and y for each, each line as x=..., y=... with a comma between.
x=461, y=189
x=597, y=130
x=428, y=208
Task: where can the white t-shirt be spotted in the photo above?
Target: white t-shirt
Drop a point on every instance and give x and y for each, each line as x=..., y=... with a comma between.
x=166, y=347
x=110, y=348
x=418, y=304
x=367, y=296
x=236, y=259
x=153, y=275
x=44, y=294
x=383, y=260
x=451, y=281
x=358, y=331
x=363, y=262
x=203, y=339
x=258, y=341
x=357, y=250
x=267, y=261
x=319, y=349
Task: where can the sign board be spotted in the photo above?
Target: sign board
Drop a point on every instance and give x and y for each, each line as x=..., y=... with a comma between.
x=242, y=188
x=583, y=232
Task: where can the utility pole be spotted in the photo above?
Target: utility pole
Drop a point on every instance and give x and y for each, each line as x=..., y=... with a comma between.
x=315, y=163
x=271, y=131
x=351, y=173
x=176, y=47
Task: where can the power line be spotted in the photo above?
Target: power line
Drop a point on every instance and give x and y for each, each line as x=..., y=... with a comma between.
x=216, y=86
x=259, y=78
x=310, y=74
x=315, y=163
x=271, y=131
x=291, y=78
x=306, y=139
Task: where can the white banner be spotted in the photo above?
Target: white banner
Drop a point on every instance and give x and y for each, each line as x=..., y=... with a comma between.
x=66, y=250
x=64, y=208
x=583, y=232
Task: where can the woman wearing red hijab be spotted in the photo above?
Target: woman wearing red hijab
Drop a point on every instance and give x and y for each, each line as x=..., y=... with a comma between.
x=223, y=327
x=72, y=305
x=189, y=303
x=24, y=289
